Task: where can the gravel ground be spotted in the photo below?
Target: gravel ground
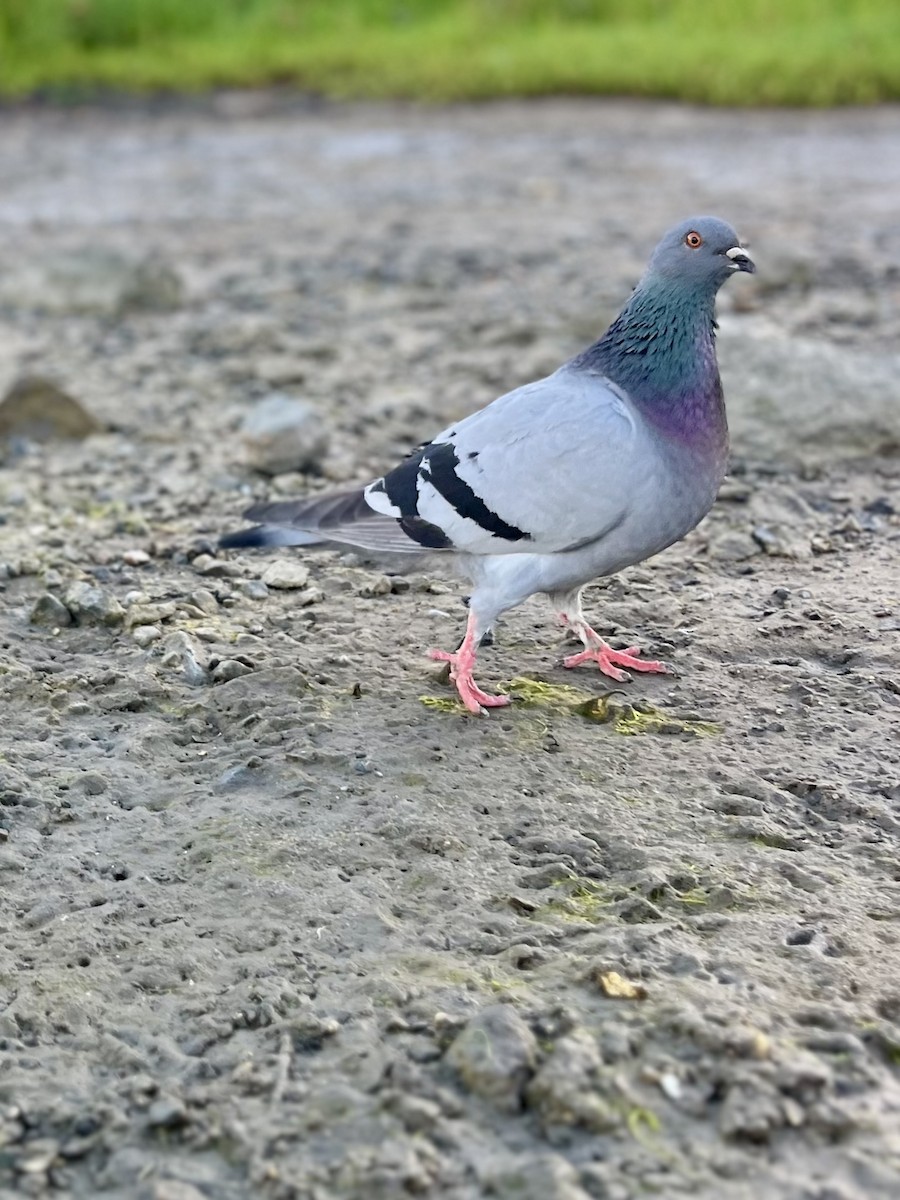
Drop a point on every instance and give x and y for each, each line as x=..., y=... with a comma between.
x=272, y=926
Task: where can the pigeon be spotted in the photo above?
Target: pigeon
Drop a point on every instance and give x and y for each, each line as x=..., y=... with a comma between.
x=609, y=460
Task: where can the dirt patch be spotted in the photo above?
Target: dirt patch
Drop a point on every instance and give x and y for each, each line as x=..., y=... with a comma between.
x=278, y=919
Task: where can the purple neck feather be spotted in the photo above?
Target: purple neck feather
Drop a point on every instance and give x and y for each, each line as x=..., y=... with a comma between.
x=661, y=349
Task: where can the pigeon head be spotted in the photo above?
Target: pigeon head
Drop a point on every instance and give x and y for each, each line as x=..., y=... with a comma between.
x=699, y=254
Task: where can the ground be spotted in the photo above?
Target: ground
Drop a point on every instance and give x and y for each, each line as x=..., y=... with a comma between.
x=279, y=919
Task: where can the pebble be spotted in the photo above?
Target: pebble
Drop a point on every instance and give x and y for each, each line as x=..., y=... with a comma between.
x=206, y=564
x=174, y=1189
x=732, y=546
x=495, y=1054
x=285, y=574
x=254, y=589
x=146, y=635
x=380, y=586
x=166, y=1113
x=230, y=668
x=92, y=605
x=562, y=1091
x=149, y=614
x=283, y=433
x=151, y=285
x=205, y=601
x=36, y=408
x=136, y=558
x=543, y=1177
x=50, y=610
x=179, y=651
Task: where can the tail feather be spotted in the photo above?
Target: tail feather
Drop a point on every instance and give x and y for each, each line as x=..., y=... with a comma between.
x=343, y=517
x=268, y=535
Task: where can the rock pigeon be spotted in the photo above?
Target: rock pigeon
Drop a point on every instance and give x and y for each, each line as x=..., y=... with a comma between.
x=613, y=457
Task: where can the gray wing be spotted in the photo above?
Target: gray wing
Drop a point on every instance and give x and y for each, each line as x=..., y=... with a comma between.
x=543, y=469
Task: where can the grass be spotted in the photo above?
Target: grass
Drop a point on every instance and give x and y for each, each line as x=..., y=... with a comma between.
x=775, y=52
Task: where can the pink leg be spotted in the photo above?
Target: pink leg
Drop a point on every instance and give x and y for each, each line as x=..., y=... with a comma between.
x=462, y=664
x=607, y=659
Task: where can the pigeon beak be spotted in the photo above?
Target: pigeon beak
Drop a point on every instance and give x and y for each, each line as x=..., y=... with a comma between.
x=740, y=259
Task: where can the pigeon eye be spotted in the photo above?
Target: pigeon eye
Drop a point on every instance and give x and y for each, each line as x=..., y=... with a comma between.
x=693, y=239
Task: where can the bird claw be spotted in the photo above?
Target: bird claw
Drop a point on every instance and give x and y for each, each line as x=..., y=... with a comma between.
x=475, y=700
x=609, y=661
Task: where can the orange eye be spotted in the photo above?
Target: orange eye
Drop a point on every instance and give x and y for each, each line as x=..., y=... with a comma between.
x=693, y=239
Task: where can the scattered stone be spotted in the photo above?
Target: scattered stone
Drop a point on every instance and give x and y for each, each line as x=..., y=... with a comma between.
x=562, y=1091
x=544, y=1177
x=36, y=408
x=732, y=546
x=254, y=589
x=230, y=668
x=92, y=783
x=284, y=573
x=166, y=1113
x=381, y=585
x=206, y=564
x=179, y=651
x=283, y=433
x=136, y=558
x=205, y=601
x=495, y=1055
x=310, y=595
x=146, y=635
x=150, y=285
x=50, y=610
x=149, y=614
x=91, y=605
x=843, y=403
x=778, y=543
x=173, y=1189
x=750, y=1112
x=38, y=1156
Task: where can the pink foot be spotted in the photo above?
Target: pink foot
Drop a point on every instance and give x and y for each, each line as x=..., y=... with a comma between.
x=609, y=661
x=461, y=664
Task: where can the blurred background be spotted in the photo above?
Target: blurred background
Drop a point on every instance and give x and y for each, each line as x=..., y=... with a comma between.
x=773, y=52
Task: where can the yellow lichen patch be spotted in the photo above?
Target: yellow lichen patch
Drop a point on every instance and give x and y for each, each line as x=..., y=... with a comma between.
x=605, y=709
x=537, y=693
x=631, y=719
x=445, y=704
x=584, y=900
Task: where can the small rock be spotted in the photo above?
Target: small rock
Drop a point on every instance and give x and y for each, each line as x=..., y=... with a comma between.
x=179, y=651
x=230, y=668
x=495, y=1055
x=173, y=1189
x=92, y=783
x=149, y=614
x=286, y=574
x=732, y=546
x=545, y=1177
x=34, y=407
x=562, y=1090
x=146, y=635
x=38, y=1156
x=151, y=286
x=254, y=589
x=49, y=610
x=205, y=564
x=166, y=1113
x=283, y=433
x=380, y=586
x=136, y=558
x=310, y=595
x=205, y=601
x=92, y=606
